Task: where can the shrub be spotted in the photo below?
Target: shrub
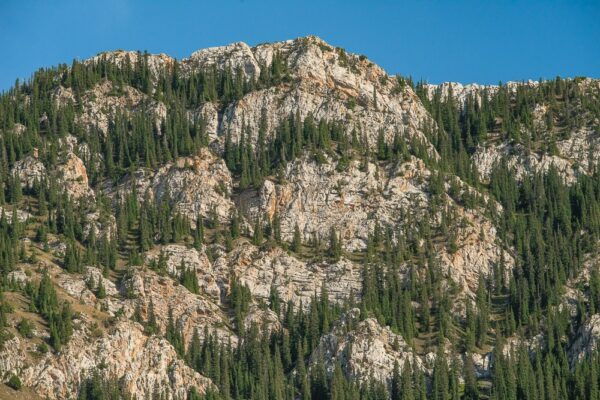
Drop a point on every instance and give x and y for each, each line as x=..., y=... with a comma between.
x=14, y=382
x=25, y=328
x=42, y=348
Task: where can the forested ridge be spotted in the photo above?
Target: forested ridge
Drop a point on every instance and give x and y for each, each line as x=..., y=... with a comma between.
x=548, y=225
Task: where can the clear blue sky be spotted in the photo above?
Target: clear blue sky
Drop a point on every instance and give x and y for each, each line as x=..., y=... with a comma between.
x=466, y=41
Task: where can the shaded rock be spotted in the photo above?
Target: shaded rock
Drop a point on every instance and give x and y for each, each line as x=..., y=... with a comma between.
x=588, y=338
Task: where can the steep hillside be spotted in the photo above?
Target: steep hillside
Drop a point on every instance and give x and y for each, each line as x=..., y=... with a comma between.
x=289, y=221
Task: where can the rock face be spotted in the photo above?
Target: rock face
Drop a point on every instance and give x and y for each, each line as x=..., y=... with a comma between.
x=328, y=83
x=101, y=223
x=236, y=56
x=317, y=198
x=102, y=103
x=157, y=63
x=143, y=291
x=178, y=257
x=324, y=81
x=588, y=339
x=261, y=271
x=575, y=148
x=198, y=185
x=189, y=311
x=366, y=351
x=295, y=280
x=85, y=288
x=29, y=170
x=524, y=162
x=143, y=363
x=8, y=213
x=462, y=92
x=478, y=250
x=72, y=176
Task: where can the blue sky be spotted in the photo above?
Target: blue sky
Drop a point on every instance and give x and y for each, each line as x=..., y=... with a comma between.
x=465, y=41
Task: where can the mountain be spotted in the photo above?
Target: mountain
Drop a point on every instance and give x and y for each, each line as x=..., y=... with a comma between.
x=290, y=221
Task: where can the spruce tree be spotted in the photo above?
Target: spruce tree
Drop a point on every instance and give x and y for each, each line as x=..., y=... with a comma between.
x=296, y=240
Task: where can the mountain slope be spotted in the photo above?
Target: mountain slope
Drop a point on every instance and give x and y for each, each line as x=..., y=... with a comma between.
x=287, y=220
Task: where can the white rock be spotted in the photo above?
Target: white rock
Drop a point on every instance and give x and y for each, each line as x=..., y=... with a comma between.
x=368, y=351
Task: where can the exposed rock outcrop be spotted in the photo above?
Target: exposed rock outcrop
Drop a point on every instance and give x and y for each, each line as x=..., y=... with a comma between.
x=29, y=170
x=236, y=57
x=143, y=363
x=197, y=185
x=295, y=280
x=328, y=83
x=588, y=338
x=572, y=151
x=323, y=81
x=366, y=351
x=101, y=104
x=177, y=257
x=73, y=179
x=317, y=198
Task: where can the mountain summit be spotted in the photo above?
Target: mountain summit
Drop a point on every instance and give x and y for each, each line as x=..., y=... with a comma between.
x=309, y=76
